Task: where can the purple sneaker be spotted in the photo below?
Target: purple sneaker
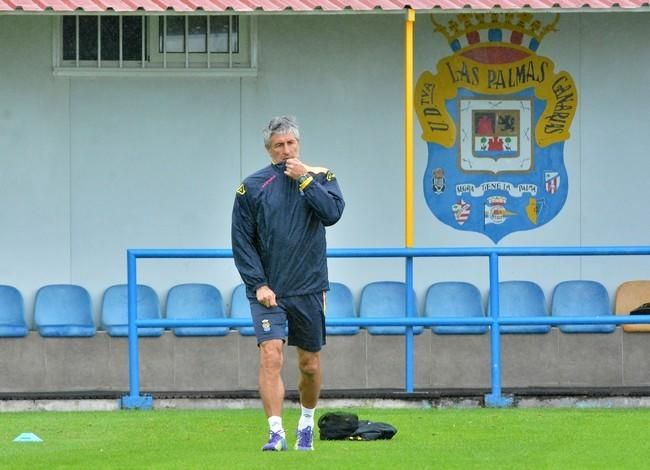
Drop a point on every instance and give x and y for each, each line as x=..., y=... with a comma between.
x=305, y=439
x=276, y=442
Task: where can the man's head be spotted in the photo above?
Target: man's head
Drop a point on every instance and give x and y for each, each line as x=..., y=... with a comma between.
x=282, y=139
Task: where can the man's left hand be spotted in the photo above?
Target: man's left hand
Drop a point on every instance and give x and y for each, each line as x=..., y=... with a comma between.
x=294, y=168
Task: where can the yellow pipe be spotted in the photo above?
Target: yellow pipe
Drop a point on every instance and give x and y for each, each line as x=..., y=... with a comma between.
x=408, y=125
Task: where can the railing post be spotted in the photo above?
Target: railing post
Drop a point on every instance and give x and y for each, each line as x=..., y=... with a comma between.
x=408, y=189
x=408, y=337
x=133, y=400
x=495, y=399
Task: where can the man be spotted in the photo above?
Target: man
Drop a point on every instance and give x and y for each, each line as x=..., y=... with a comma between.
x=278, y=241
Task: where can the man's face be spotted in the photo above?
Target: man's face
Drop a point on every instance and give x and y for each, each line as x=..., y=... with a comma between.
x=283, y=146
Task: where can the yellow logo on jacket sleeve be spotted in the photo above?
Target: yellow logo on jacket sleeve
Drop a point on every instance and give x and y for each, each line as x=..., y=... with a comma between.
x=241, y=190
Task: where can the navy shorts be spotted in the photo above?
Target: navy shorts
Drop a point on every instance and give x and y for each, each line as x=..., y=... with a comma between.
x=304, y=314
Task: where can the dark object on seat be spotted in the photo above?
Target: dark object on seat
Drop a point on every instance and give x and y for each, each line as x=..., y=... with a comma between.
x=643, y=309
x=337, y=425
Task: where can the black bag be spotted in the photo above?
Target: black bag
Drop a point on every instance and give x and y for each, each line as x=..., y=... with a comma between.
x=337, y=425
x=641, y=310
x=370, y=431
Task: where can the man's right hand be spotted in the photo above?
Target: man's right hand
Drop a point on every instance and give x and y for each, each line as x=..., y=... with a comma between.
x=266, y=297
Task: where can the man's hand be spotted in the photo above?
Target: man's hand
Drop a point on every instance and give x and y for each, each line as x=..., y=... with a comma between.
x=266, y=297
x=294, y=168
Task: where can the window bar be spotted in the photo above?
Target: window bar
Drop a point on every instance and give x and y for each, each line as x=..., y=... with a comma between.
x=119, y=25
x=99, y=41
x=207, y=44
x=57, y=43
x=252, y=37
x=165, y=41
x=230, y=40
x=76, y=32
x=187, y=41
x=142, y=25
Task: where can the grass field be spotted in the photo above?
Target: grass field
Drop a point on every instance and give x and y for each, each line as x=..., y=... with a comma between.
x=426, y=438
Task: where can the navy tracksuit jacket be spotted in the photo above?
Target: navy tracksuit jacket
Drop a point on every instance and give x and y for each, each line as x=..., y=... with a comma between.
x=278, y=231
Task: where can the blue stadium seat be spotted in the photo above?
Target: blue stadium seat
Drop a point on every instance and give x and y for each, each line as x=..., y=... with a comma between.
x=340, y=304
x=581, y=298
x=241, y=308
x=63, y=310
x=454, y=299
x=385, y=299
x=196, y=301
x=115, y=313
x=522, y=299
x=12, y=313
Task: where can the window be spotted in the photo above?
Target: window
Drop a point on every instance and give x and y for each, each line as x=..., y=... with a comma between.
x=219, y=34
x=112, y=28
x=170, y=44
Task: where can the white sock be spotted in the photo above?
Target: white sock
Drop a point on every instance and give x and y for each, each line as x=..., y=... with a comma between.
x=306, y=418
x=275, y=425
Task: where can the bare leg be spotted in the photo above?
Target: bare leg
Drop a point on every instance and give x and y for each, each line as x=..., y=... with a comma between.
x=310, y=378
x=270, y=378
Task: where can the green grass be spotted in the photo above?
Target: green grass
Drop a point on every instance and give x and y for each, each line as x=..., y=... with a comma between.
x=426, y=438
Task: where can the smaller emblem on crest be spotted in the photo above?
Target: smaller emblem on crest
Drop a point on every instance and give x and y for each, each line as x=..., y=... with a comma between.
x=532, y=210
x=461, y=211
x=438, y=181
x=551, y=181
x=495, y=210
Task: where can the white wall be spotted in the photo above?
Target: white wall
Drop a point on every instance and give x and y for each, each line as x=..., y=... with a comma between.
x=91, y=167
x=34, y=159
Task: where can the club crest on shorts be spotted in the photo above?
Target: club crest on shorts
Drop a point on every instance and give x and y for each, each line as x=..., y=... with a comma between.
x=266, y=325
x=495, y=117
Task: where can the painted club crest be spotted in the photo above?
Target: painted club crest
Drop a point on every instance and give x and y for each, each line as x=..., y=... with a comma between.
x=495, y=117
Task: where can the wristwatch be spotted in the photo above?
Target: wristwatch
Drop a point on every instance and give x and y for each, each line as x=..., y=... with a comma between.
x=304, y=181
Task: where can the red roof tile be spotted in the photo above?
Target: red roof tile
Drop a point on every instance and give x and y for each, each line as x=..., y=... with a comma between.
x=304, y=5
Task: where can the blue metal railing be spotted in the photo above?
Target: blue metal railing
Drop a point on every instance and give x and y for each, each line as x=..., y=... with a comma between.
x=494, y=399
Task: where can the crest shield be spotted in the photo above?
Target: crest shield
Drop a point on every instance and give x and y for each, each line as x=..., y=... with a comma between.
x=495, y=118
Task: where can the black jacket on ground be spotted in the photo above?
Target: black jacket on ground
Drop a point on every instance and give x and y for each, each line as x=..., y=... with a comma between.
x=278, y=231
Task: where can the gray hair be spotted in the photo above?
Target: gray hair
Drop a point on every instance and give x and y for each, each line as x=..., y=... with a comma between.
x=281, y=125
